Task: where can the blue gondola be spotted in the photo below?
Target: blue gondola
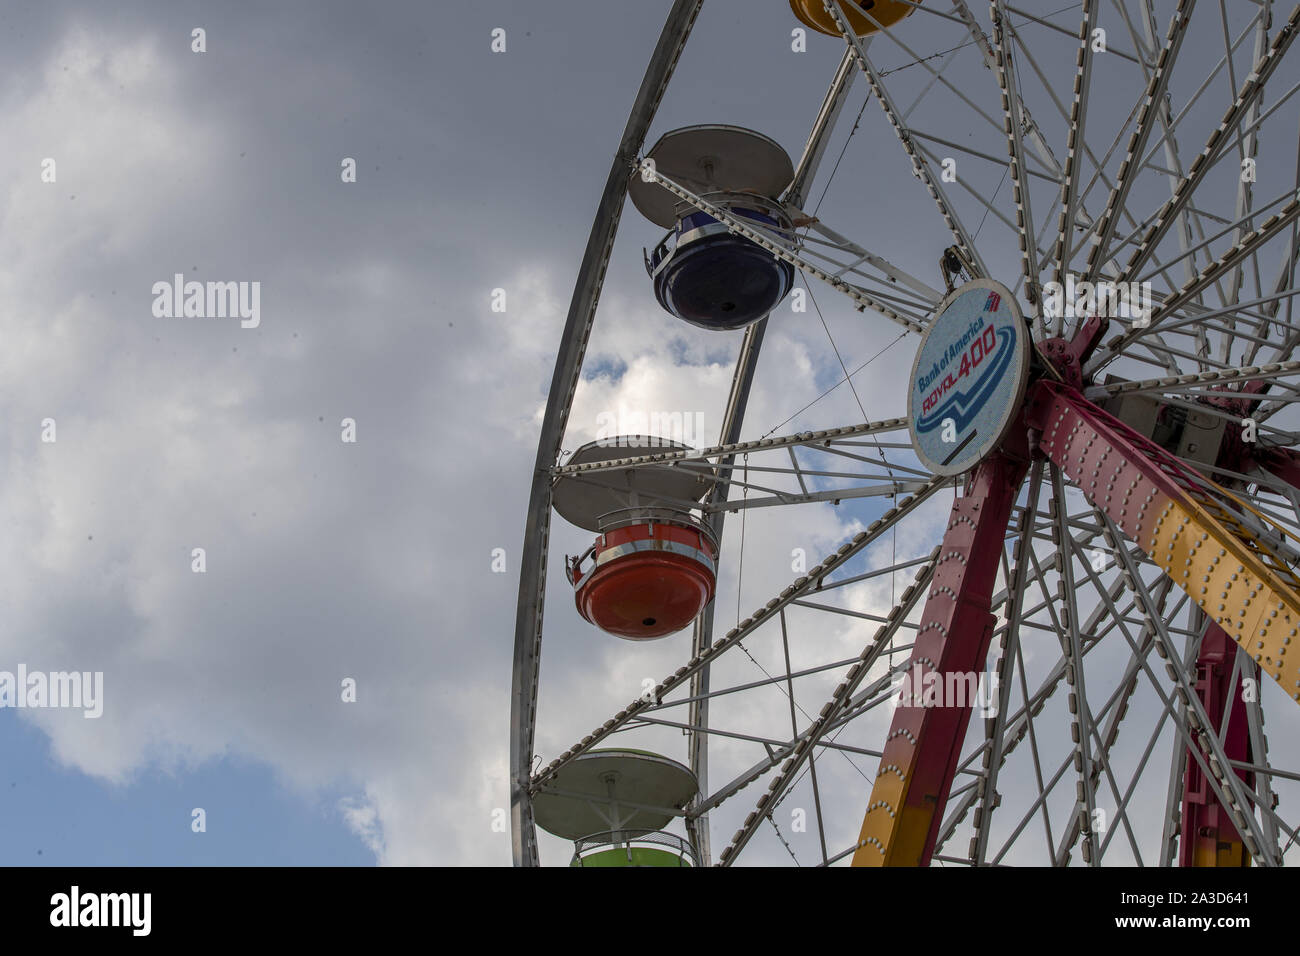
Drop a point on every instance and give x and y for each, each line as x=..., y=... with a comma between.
x=715, y=280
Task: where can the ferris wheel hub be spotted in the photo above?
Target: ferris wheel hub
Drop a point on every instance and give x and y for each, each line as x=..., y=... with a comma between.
x=968, y=381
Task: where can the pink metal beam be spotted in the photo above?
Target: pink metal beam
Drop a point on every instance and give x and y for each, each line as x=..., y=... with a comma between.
x=1209, y=837
x=924, y=743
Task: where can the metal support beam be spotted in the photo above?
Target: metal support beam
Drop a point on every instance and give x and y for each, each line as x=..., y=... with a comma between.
x=1209, y=837
x=924, y=743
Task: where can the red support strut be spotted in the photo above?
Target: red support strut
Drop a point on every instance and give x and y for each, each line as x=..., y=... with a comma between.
x=1209, y=837
x=925, y=739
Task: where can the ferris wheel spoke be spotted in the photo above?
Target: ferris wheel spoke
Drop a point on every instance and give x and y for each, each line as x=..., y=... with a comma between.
x=1244, y=249
x=1011, y=113
x=835, y=449
x=1081, y=717
x=1185, y=220
x=864, y=700
x=801, y=473
x=1080, y=216
x=1189, y=218
x=1056, y=27
x=1077, y=136
x=1214, y=147
x=1034, y=753
x=878, y=477
x=995, y=161
x=1045, y=791
x=825, y=439
x=1042, y=250
x=1251, y=373
x=1169, y=121
x=817, y=734
x=779, y=246
x=780, y=499
x=918, y=59
x=1171, y=836
x=1247, y=148
x=794, y=729
x=1009, y=647
x=1069, y=669
x=1128, y=687
x=1231, y=299
x=928, y=296
x=1021, y=723
x=1248, y=245
x=1263, y=772
x=932, y=159
x=1209, y=318
x=1166, y=356
x=839, y=702
x=777, y=748
x=849, y=580
x=769, y=681
x=1030, y=128
x=1150, y=111
x=919, y=167
x=1136, y=778
x=1117, y=705
x=1285, y=277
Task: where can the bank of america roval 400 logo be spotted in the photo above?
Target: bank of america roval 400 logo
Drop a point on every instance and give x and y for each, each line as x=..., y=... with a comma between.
x=962, y=379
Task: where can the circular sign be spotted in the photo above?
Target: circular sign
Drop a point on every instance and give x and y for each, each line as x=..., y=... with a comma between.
x=969, y=378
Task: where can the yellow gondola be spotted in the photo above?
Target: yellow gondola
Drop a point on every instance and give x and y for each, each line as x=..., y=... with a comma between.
x=885, y=12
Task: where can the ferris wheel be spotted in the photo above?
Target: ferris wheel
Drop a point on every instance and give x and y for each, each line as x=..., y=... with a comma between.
x=1103, y=372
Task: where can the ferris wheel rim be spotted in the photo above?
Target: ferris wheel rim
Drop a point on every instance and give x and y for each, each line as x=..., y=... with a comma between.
x=681, y=19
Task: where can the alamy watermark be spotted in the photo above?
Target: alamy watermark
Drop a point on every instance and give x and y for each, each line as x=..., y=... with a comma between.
x=62, y=689
x=663, y=428
x=918, y=687
x=208, y=300
x=1074, y=299
x=131, y=911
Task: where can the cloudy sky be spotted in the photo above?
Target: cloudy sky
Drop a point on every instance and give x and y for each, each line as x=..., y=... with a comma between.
x=325, y=560
x=370, y=560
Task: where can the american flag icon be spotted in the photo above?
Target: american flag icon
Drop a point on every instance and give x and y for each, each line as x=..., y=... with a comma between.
x=992, y=303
